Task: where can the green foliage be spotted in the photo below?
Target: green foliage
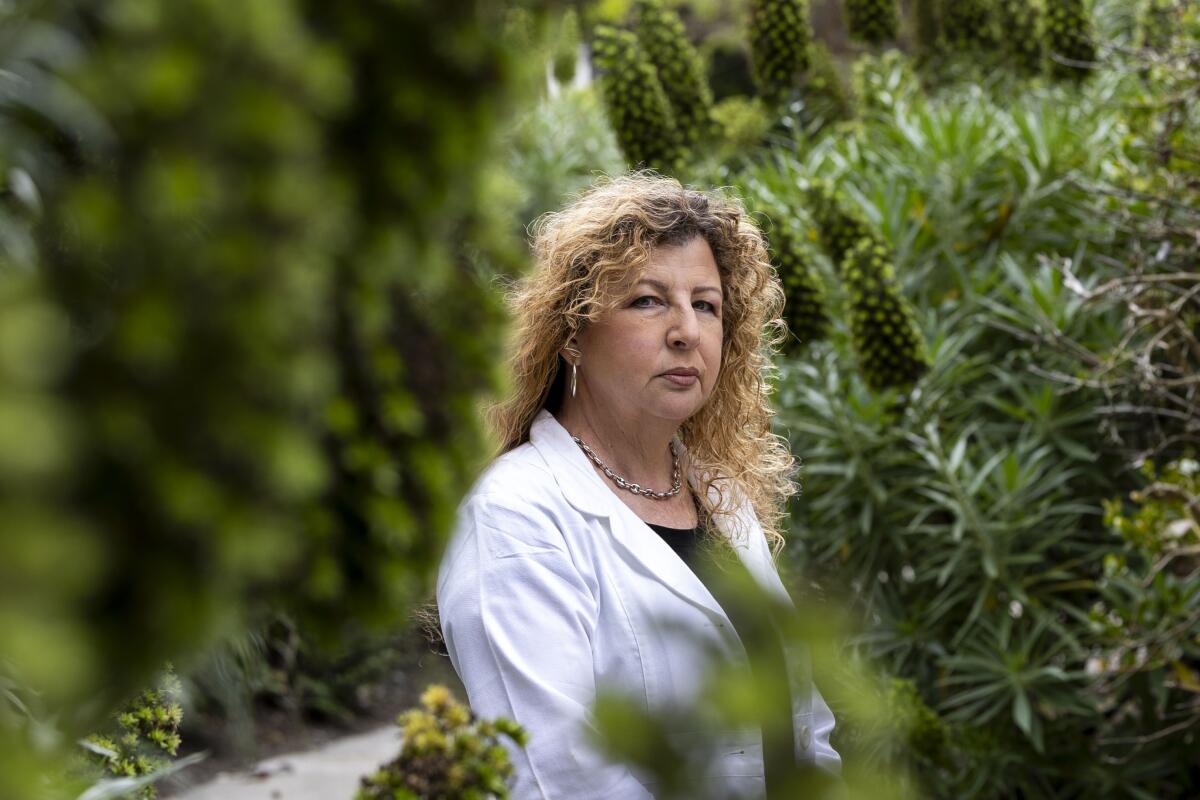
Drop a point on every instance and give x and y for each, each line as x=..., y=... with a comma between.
x=805, y=312
x=566, y=46
x=1149, y=647
x=881, y=81
x=883, y=328
x=555, y=147
x=780, y=33
x=445, y=753
x=276, y=665
x=1070, y=38
x=827, y=97
x=872, y=21
x=637, y=105
x=839, y=223
x=147, y=732
x=927, y=30
x=970, y=25
x=1023, y=23
x=672, y=745
x=662, y=38
x=1158, y=22
x=744, y=121
x=229, y=384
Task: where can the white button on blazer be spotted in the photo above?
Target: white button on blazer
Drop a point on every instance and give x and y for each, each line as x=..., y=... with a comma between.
x=551, y=586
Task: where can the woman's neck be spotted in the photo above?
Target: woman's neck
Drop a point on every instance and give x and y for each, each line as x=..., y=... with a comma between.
x=636, y=448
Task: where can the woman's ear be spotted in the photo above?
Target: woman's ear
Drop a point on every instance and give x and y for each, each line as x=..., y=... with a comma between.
x=570, y=351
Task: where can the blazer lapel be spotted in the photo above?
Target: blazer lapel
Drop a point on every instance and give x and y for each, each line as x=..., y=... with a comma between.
x=640, y=545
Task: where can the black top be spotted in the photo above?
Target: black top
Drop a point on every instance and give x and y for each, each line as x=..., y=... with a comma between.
x=752, y=627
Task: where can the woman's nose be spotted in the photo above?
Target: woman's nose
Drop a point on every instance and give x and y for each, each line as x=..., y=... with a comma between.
x=686, y=330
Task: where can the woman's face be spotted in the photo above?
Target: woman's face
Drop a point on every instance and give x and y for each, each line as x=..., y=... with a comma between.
x=669, y=320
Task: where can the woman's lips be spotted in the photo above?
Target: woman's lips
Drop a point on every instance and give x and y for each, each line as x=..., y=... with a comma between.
x=681, y=380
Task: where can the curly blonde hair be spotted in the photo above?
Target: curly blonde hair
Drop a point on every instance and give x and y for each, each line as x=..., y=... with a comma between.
x=585, y=253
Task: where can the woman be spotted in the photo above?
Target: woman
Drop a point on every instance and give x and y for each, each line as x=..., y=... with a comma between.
x=637, y=413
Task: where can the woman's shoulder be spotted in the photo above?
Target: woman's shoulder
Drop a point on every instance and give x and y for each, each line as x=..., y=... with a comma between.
x=516, y=484
x=520, y=471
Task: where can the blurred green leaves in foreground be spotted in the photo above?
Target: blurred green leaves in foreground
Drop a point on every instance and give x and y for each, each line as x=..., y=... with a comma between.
x=245, y=319
x=879, y=735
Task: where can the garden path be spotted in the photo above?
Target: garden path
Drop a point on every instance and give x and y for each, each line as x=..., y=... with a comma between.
x=329, y=772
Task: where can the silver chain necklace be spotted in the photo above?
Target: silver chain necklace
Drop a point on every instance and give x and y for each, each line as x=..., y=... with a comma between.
x=628, y=485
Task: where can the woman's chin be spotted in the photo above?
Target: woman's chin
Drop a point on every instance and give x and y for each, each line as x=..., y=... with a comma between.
x=678, y=409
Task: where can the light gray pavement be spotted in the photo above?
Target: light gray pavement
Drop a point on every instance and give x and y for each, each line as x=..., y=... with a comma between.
x=330, y=772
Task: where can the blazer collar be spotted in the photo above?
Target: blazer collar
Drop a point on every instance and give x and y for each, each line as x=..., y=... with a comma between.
x=586, y=491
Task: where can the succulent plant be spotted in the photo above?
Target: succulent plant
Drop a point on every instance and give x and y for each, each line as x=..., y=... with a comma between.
x=446, y=752
x=826, y=93
x=805, y=311
x=883, y=327
x=780, y=33
x=968, y=25
x=147, y=733
x=637, y=106
x=1023, y=23
x=872, y=21
x=1070, y=37
x=662, y=37
x=839, y=224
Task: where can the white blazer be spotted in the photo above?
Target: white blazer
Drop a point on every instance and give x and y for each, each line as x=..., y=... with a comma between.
x=551, y=586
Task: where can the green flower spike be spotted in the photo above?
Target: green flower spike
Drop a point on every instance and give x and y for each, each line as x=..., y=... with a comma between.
x=636, y=104
x=663, y=39
x=883, y=327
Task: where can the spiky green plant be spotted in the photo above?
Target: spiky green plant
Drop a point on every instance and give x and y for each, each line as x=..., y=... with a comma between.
x=807, y=299
x=1023, y=23
x=968, y=25
x=839, y=224
x=827, y=97
x=147, y=732
x=446, y=753
x=880, y=81
x=780, y=33
x=662, y=37
x=635, y=102
x=883, y=327
x=872, y=21
x=1070, y=38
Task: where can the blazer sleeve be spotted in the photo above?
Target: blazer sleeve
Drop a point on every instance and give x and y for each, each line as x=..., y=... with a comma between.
x=518, y=621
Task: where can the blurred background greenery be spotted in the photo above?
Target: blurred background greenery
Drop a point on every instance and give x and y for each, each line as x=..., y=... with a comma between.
x=248, y=308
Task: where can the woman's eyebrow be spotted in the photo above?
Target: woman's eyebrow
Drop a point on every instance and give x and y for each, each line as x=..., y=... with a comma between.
x=662, y=287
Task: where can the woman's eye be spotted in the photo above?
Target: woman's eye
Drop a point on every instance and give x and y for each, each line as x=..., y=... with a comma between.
x=708, y=306
x=639, y=302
